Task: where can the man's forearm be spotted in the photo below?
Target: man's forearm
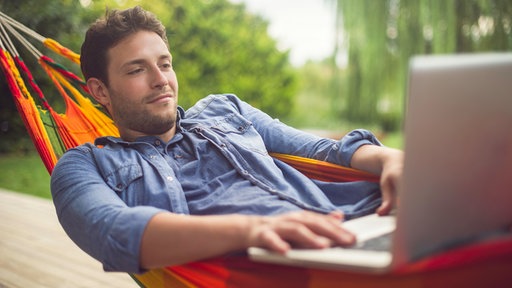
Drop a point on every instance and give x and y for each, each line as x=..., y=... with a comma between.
x=372, y=158
x=172, y=239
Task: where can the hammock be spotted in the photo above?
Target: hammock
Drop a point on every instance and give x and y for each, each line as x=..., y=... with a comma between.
x=53, y=133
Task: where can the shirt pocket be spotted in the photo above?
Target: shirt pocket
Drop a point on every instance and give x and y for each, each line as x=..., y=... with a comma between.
x=231, y=123
x=240, y=132
x=120, y=178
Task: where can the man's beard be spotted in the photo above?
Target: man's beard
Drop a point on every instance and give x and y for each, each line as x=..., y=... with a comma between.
x=150, y=124
x=142, y=120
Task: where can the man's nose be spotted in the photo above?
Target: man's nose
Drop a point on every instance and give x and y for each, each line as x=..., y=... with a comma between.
x=159, y=79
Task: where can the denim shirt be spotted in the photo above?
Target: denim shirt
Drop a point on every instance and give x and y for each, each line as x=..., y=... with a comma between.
x=217, y=163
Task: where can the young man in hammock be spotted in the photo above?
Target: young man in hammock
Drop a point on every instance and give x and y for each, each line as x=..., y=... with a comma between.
x=179, y=186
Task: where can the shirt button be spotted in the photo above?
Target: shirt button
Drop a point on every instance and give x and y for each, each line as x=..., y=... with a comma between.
x=169, y=178
x=157, y=143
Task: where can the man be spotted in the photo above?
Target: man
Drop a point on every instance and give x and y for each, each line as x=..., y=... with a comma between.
x=182, y=186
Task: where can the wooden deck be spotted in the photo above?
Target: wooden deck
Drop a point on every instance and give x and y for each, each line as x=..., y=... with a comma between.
x=36, y=252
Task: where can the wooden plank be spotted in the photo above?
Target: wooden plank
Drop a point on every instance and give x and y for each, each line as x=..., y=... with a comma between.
x=36, y=252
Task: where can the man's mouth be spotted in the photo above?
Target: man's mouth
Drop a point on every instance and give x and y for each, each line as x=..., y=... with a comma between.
x=161, y=98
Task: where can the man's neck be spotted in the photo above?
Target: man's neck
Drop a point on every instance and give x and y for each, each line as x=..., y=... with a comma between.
x=130, y=136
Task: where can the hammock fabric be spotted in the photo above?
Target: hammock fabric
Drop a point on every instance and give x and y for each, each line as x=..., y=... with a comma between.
x=481, y=265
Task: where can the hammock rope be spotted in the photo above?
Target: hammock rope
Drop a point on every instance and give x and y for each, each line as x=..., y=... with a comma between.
x=83, y=121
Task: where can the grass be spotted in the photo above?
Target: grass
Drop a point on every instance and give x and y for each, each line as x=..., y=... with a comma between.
x=25, y=174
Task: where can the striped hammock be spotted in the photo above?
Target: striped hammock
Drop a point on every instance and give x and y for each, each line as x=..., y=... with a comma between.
x=485, y=265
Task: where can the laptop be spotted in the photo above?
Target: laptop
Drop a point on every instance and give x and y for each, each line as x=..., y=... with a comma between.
x=457, y=179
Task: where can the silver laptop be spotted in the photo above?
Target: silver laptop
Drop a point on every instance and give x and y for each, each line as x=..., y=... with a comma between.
x=457, y=182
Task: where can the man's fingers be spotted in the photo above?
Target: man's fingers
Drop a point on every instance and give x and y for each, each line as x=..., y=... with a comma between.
x=301, y=236
x=388, y=198
x=283, y=236
x=327, y=226
x=301, y=229
x=384, y=208
x=272, y=241
x=389, y=186
x=337, y=215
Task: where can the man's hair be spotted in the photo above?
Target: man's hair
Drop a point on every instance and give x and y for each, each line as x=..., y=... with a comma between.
x=105, y=33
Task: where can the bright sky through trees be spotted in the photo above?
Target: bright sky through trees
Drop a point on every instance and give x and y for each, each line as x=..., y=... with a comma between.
x=304, y=26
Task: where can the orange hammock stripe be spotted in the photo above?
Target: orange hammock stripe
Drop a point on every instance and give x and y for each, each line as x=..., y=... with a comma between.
x=28, y=110
x=325, y=171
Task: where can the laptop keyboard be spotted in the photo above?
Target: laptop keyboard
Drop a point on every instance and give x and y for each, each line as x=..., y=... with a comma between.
x=379, y=243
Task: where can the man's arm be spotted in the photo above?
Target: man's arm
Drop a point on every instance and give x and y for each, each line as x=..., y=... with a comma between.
x=130, y=238
x=384, y=161
x=359, y=149
x=172, y=239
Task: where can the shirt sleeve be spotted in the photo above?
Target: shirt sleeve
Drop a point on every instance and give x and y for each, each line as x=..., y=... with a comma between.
x=94, y=216
x=281, y=138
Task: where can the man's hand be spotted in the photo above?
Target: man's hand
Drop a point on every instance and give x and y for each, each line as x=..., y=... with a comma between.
x=299, y=229
x=386, y=162
x=171, y=239
x=389, y=179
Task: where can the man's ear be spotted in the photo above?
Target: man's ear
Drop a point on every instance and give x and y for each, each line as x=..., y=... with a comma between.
x=98, y=91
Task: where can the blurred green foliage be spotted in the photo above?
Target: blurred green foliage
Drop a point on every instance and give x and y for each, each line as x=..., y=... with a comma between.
x=217, y=48
x=379, y=38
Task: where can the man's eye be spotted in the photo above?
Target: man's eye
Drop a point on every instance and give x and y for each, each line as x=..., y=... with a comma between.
x=135, y=71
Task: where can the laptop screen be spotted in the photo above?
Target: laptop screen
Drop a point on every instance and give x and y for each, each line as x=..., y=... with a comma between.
x=458, y=152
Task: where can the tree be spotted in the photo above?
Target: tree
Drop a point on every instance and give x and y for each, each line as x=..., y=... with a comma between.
x=383, y=35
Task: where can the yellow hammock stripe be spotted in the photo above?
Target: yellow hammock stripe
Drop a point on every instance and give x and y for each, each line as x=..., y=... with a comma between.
x=61, y=50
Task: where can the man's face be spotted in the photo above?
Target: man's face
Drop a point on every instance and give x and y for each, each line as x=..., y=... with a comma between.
x=143, y=89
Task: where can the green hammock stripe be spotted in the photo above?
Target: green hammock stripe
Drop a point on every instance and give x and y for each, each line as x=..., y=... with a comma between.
x=52, y=131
